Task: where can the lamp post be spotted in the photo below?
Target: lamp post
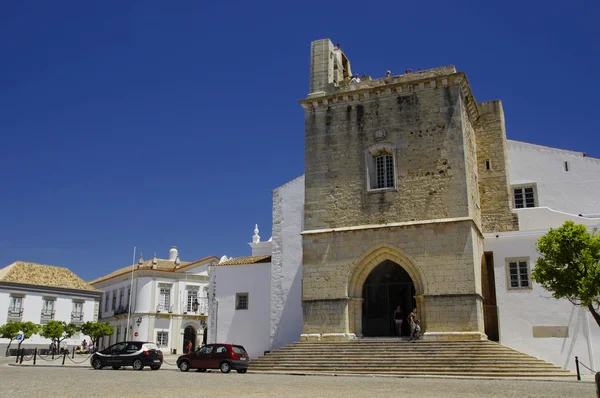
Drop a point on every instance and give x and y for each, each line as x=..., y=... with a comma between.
x=138, y=321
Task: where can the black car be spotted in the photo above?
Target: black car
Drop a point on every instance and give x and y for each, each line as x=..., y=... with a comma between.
x=129, y=353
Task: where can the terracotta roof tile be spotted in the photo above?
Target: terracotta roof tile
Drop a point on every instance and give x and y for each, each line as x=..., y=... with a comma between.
x=161, y=265
x=43, y=275
x=246, y=260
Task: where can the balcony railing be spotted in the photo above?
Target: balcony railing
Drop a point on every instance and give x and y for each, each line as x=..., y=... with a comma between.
x=15, y=314
x=47, y=316
x=123, y=309
x=202, y=307
x=77, y=317
x=164, y=308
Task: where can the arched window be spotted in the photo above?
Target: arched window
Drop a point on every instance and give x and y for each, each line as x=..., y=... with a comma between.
x=381, y=167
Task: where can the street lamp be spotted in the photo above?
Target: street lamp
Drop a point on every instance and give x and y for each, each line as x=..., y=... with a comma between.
x=139, y=321
x=195, y=305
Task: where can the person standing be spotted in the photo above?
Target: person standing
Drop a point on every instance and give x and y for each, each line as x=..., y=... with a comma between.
x=189, y=347
x=411, y=319
x=398, y=320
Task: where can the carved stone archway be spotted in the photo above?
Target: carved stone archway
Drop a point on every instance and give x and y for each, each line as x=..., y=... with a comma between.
x=363, y=268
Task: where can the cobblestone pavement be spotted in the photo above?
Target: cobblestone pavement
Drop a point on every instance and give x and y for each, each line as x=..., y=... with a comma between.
x=84, y=381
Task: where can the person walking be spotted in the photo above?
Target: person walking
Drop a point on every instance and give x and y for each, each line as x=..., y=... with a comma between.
x=412, y=317
x=398, y=320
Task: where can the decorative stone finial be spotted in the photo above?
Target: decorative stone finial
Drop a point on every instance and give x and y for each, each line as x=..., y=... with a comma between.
x=255, y=237
x=154, y=261
x=177, y=261
x=141, y=260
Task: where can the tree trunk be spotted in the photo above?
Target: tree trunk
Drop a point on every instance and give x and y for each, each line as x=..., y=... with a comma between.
x=8, y=348
x=594, y=313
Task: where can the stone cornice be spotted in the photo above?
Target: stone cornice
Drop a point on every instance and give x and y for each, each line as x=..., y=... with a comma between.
x=387, y=87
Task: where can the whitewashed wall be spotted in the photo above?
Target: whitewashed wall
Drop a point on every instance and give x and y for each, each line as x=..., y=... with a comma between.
x=576, y=191
x=32, y=308
x=521, y=310
x=286, y=272
x=250, y=327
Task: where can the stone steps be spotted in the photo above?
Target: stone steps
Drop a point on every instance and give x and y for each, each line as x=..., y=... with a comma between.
x=401, y=357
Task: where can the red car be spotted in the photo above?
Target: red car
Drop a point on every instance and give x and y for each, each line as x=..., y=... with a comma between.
x=215, y=356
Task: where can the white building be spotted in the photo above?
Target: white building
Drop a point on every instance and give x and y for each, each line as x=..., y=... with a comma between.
x=158, y=300
x=39, y=293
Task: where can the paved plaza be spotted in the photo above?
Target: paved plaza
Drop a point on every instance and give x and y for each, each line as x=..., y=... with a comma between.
x=80, y=381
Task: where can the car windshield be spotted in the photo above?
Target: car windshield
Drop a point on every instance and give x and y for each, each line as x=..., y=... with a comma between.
x=150, y=346
x=238, y=349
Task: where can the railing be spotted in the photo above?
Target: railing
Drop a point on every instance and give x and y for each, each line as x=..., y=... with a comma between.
x=47, y=316
x=15, y=314
x=164, y=308
x=77, y=317
x=202, y=307
x=123, y=309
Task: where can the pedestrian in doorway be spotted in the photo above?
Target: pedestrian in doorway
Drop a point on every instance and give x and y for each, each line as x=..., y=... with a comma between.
x=398, y=320
x=189, y=347
x=417, y=329
x=412, y=317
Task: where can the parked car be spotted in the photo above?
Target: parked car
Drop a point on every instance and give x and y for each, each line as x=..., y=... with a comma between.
x=129, y=353
x=215, y=356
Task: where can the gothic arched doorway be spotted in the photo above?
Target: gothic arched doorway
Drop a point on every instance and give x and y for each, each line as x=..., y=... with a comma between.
x=189, y=334
x=387, y=287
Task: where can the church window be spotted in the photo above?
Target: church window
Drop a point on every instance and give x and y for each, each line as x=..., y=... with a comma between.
x=525, y=196
x=518, y=273
x=162, y=339
x=488, y=164
x=241, y=301
x=381, y=170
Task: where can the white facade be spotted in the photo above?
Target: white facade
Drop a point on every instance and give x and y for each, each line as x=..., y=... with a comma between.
x=230, y=324
x=286, y=272
x=161, y=306
x=39, y=304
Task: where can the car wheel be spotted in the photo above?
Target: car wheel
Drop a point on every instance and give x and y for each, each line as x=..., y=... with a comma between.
x=225, y=367
x=116, y=367
x=184, y=366
x=242, y=370
x=155, y=367
x=138, y=365
x=97, y=364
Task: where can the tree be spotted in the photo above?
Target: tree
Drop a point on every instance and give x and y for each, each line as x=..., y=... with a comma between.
x=10, y=331
x=57, y=331
x=96, y=330
x=28, y=329
x=569, y=266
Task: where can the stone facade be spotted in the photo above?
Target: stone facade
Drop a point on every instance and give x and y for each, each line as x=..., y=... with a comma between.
x=429, y=222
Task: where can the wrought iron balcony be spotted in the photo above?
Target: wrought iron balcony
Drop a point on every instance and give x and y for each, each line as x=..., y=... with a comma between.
x=123, y=309
x=77, y=317
x=47, y=316
x=164, y=308
x=15, y=314
x=198, y=307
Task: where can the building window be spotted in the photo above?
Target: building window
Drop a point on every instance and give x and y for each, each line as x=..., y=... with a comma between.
x=525, y=196
x=164, y=300
x=381, y=168
x=241, y=301
x=121, y=294
x=77, y=312
x=192, y=295
x=518, y=273
x=566, y=166
x=488, y=164
x=106, y=299
x=118, y=333
x=162, y=339
x=47, y=309
x=114, y=300
x=128, y=294
x=15, y=308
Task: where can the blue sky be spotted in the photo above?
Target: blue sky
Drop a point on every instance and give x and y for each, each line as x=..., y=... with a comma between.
x=156, y=123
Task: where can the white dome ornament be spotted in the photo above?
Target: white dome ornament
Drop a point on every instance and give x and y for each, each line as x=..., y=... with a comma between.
x=255, y=237
x=173, y=253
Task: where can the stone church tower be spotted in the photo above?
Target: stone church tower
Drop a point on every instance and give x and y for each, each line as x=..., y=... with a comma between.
x=403, y=175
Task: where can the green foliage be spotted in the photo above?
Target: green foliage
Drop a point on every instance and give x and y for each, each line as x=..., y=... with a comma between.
x=10, y=331
x=58, y=331
x=96, y=330
x=28, y=329
x=569, y=265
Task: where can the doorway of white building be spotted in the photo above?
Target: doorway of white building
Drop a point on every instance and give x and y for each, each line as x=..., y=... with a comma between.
x=189, y=335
